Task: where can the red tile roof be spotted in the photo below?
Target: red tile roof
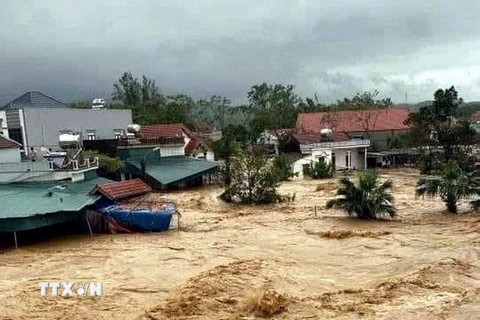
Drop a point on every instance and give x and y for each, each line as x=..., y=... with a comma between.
x=170, y=130
x=354, y=121
x=6, y=143
x=123, y=189
x=313, y=137
x=165, y=130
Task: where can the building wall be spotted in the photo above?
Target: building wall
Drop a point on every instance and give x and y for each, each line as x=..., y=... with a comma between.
x=297, y=166
x=172, y=150
x=3, y=123
x=43, y=124
x=379, y=140
x=357, y=159
x=10, y=155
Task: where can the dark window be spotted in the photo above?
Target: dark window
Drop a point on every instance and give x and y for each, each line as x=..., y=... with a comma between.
x=15, y=134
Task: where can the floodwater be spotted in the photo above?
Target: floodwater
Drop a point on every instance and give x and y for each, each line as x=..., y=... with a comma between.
x=422, y=265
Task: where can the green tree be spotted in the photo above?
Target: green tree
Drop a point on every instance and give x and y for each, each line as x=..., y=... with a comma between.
x=438, y=125
x=107, y=166
x=283, y=167
x=312, y=105
x=253, y=180
x=143, y=97
x=452, y=185
x=274, y=107
x=176, y=109
x=367, y=199
x=364, y=101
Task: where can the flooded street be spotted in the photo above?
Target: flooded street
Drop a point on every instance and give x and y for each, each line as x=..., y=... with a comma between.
x=422, y=265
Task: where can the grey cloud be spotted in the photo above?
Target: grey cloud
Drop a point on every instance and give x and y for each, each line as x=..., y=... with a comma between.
x=77, y=49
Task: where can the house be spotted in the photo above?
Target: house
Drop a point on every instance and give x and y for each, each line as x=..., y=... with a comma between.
x=380, y=126
x=192, y=147
x=336, y=148
x=32, y=206
x=274, y=138
x=166, y=156
x=9, y=150
x=35, y=120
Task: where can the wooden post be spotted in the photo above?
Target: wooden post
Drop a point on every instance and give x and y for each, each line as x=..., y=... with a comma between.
x=89, y=226
x=15, y=238
x=178, y=221
x=366, y=159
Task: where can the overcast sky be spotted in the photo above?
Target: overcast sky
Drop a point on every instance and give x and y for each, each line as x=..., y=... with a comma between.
x=77, y=49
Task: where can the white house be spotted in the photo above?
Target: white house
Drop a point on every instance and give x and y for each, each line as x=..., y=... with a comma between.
x=334, y=148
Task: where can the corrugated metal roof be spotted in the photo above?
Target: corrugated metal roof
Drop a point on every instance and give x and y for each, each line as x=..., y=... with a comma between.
x=26, y=200
x=123, y=189
x=174, y=169
x=34, y=99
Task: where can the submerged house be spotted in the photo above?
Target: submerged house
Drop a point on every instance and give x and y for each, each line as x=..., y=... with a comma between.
x=348, y=139
x=334, y=148
x=167, y=156
x=27, y=206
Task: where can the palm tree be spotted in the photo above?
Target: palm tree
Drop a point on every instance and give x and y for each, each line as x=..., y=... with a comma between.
x=368, y=199
x=452, y=185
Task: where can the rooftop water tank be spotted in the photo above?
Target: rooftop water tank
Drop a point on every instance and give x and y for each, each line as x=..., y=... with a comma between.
x=326, y=132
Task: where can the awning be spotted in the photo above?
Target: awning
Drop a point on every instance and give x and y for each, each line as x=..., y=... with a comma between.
x=375, y=155
x=170, y=170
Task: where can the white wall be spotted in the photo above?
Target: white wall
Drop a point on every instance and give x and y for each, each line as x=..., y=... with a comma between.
x=10, y=155
x=3, y=123
x=357, y=160
x=210, y=156
x=172, y=150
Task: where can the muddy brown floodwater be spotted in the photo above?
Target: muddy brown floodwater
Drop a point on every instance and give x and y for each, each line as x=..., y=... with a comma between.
x=238, y=262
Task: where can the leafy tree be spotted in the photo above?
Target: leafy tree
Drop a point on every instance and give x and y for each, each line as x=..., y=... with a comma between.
x=107, y=166
x=274, y=107
x=319, y=170
x=364, y=101
x=367, y=199
x=253, y=180
x=143, y=97
x=312, y=105
x=452, y=185
x=283, y=167
x=438, y=125
x=176, y=109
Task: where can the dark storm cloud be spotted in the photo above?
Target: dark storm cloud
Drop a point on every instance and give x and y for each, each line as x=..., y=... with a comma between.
x=77, y=49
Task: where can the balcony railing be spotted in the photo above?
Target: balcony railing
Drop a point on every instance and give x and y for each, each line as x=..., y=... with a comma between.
x=336, y=144
x=128, y=142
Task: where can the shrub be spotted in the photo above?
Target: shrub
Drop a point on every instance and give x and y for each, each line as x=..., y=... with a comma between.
x=283, y=168
x=319, y=170
x=106, y=164
x=253, y=180
x=367, y=199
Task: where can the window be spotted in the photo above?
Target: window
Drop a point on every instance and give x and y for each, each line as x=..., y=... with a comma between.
x=91, y=135
x=15, y=134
